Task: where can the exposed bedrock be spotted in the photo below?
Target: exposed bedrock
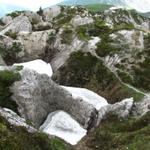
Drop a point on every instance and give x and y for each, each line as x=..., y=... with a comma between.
x=37, y=96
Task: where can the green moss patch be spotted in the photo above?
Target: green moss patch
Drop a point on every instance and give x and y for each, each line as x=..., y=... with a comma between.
x=7, y=78
x=10, y=54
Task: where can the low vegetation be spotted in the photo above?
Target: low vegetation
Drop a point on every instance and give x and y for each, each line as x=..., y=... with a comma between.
x=66, y=36
x=15, y=14
x=7, y=78
x=10, y=54
x=97, y=7
x=17, y=138
x=116, y=134
x=85, y=70
x=11, y=34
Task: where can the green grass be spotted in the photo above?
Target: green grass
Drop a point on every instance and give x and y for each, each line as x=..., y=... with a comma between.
x=97, y=7
x=17, y=138
x=82, y=33
x=116, y=134
x=85, y=70
x=11, y=34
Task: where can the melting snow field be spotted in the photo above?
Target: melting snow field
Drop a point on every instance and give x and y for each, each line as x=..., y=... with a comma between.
x=37, y=65
x=62, y=125
x=92, y=98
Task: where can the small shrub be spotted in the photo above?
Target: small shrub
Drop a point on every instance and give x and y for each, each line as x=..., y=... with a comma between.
x=15, y=14
x=9, y=54
x=1, y=22
x=82, y=33
x=51, y=38
x=66, y=36
x=11, y=34
x=105, y=48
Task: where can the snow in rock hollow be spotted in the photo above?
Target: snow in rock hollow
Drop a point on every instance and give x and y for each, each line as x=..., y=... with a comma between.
x=92, y=98
x=62, y=125
x=37, y=65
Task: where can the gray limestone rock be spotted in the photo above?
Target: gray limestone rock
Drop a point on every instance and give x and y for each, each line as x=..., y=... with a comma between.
x=20, y=23
x=15, y=120
x=37, y=96
x=51, y=12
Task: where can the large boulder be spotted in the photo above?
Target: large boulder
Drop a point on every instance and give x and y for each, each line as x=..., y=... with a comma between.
x=20, y=23
x=7, y=19
x=121, y=109
x=37, y=96
x=62, y=125
x=141, y=108
x=51, y=12
x=34, y=44
x=34, y=18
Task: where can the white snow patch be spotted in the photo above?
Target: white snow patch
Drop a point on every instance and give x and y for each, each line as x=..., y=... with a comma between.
x=62, y=125
x=37, y=65
x=92, y=98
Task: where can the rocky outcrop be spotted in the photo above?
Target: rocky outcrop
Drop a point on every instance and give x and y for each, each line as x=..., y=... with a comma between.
x=33, y=17
x=121, y=109
x=42, y=26
x=2, y=63
x=63, y=51
x=20, y=23
x=133, y=38
x=141, y=108
x=62, y=125
x=15, y=120
x=78, y=20
x=34, y=44
x=7, y=19
x=37, y=96
x=50, y=13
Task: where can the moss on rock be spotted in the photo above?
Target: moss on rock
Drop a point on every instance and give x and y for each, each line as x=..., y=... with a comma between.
x=10, y=54
x=7, y=78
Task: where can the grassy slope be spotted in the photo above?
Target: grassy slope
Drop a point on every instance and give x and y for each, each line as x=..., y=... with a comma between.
x=85, y=70
x=114, y=134
x=17, y=138
x=97, y=7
